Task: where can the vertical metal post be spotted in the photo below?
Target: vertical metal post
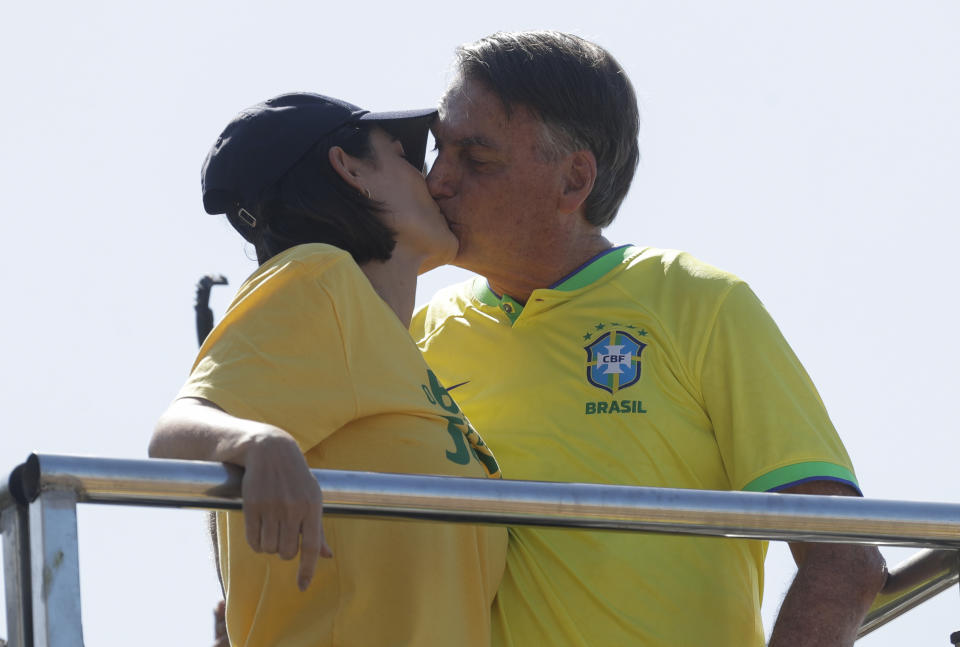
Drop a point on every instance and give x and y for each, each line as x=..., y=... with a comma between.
x=55, y=568
x=16, y=569
x=955, y=636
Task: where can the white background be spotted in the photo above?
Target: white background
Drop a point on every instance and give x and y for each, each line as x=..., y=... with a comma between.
x=811, y=148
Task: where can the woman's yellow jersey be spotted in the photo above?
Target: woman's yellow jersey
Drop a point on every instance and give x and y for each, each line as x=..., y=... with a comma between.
x=308, y=346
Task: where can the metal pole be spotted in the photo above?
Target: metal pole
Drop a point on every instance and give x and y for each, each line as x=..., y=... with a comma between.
x=911, y=583
x=55, y=569
x=786, y=517
x=16, y=569
x=735, y=514
x=204, y=314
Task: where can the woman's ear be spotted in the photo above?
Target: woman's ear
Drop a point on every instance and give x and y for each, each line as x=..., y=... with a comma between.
x=347, y=167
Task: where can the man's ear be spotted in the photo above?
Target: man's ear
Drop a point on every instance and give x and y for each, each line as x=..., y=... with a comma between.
x=347, y=167
x=579, y=177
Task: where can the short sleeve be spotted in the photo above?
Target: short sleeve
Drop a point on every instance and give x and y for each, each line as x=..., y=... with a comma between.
x=418, y=323
x=770, y=423
x=278, y=357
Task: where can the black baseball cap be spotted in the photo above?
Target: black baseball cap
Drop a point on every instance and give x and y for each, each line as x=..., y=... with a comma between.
x=266, y=140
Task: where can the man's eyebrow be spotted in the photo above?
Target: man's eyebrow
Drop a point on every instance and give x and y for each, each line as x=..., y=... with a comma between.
x=462, y=142
x=476, y=140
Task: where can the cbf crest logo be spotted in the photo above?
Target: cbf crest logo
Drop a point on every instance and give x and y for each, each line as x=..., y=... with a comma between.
x=613, y=360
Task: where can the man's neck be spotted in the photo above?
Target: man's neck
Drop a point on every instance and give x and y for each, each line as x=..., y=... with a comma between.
x=543, y=267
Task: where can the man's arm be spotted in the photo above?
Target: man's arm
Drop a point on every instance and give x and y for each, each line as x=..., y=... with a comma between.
x=833, y=589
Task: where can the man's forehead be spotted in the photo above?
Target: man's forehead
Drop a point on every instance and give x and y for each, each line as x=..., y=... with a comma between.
x=470, y=114
x=461, y=135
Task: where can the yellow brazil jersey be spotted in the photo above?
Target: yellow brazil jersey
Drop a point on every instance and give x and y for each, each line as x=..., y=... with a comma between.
x=644, y=367
x=308, y=346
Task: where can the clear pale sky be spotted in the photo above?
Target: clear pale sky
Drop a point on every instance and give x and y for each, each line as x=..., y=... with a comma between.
x=811, y=148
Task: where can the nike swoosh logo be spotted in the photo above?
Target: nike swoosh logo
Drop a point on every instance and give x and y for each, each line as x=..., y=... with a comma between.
x=455, y=386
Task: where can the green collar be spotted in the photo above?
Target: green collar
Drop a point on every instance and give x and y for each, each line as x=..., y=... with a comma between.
x=588, y=273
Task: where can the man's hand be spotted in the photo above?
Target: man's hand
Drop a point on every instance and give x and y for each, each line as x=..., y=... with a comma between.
x=220, y=637
x=833, y=589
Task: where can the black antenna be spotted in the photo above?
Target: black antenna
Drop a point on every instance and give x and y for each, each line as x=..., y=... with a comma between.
x=204, y=313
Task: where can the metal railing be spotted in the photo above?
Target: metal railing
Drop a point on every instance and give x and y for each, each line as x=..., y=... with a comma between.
x=40, y=529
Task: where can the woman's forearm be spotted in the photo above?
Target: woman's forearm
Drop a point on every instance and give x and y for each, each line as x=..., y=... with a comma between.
x=196, y=429
x=282, y=502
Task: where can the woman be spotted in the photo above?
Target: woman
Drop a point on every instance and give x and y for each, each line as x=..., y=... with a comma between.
x=312, y=367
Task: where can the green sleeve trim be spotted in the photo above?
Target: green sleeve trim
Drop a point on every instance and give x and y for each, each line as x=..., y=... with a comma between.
x=800, y=472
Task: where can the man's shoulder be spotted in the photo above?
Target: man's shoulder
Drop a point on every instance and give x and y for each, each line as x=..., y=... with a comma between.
x=451, y=301
x=672, y=270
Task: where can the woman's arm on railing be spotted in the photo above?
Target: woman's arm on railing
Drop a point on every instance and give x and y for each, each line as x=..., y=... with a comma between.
x=282, y=502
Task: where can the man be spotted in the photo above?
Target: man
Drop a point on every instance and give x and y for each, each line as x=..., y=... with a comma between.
x=581, y=361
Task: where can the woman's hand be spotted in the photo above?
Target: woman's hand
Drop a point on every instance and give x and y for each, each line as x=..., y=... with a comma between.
x=282, y=503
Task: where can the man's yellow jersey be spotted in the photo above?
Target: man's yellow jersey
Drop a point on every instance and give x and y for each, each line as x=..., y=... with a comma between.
x=308, y=346
x=644, y=367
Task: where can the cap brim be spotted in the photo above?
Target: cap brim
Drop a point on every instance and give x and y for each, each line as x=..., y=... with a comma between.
x=399, y=114
x=410, y=127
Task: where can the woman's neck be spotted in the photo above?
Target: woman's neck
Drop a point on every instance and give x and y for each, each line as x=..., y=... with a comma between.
x=395, y=280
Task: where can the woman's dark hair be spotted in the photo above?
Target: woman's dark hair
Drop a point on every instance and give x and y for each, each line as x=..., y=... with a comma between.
x=311, y=203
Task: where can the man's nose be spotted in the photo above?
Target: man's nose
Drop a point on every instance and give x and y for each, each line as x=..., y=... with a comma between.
x=440, y=179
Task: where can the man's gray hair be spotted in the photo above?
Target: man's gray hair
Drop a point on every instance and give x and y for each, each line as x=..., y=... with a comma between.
x=579, y=92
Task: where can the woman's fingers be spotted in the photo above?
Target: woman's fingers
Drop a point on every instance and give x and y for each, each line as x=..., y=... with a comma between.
x=283, y=505
x=313, y=545
x=266, y=534
x=269, y=534
x=289, y=538
x=251, y=524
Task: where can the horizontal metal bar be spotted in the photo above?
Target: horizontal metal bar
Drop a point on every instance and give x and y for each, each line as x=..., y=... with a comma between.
x=910, y=583
x=787, y=517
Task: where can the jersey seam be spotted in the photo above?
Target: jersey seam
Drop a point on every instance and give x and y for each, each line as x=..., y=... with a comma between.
x=296, y=267
x=316, y=272
x=343, y=351
x=667, y=332
x=705, y=341
x=261, y=599
x=339, y=259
